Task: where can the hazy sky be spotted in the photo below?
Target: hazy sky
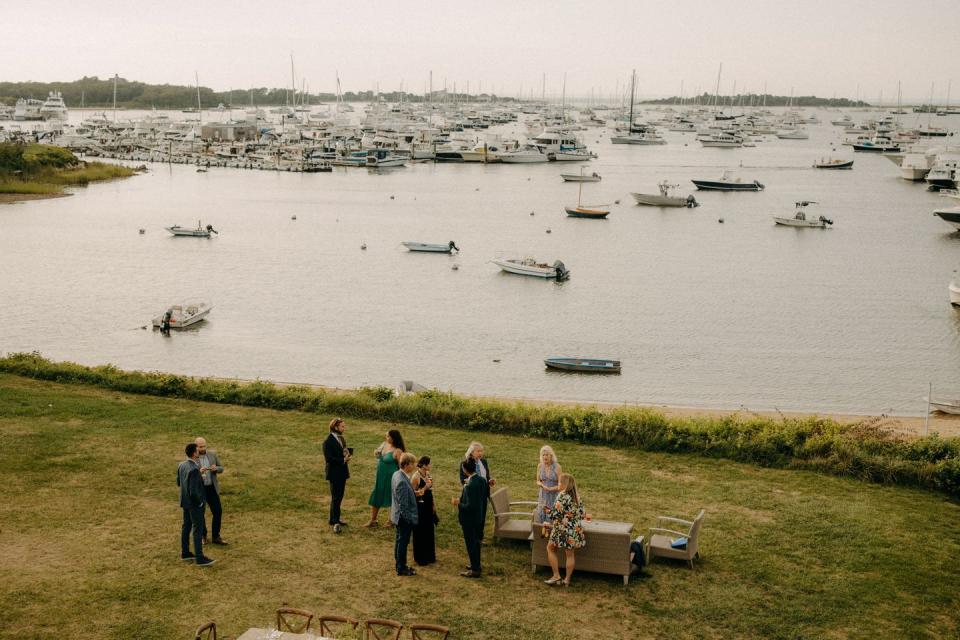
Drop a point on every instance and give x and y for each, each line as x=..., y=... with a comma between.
x=813, y=46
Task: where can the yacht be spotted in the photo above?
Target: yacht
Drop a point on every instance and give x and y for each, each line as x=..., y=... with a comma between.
x=645, y=138
x=28, y=109
x=914, y=167
x=54, y=108
x=943, y=175
x=722, y=140
x=524, y=155
x=793, y=134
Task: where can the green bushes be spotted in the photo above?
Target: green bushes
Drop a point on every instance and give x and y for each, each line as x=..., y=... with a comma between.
x=855, y=450
x=46, y=169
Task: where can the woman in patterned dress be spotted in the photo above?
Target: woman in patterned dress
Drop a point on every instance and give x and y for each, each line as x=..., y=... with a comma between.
x=548, y=479
x=565, y=520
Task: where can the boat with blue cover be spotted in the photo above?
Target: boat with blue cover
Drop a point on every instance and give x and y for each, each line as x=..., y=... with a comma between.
x=585, y=365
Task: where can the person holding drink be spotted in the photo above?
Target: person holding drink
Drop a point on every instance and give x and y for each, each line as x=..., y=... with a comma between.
x=565, y=522
x=424, y=538
x=548, y=479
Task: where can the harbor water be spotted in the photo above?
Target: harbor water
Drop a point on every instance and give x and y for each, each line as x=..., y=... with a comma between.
x=743, y=313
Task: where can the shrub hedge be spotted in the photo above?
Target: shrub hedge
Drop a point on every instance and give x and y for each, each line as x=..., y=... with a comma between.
x=858, y=450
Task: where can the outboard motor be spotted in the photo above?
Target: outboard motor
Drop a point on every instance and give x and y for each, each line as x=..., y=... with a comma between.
x=826, y=220
x=562, y=272
x=165, y=323
x=759, y=186
x=453, y=246
x=692, y=202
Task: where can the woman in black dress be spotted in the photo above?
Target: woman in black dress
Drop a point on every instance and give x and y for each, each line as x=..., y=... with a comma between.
x=424, y=547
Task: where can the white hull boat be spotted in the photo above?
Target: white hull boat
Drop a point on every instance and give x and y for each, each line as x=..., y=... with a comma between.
x=427, y=247
x=199, y=232
x=579, y=177
x=524, y=156
x=181, y=316
x=666, y=198
x=946, y=406
x=638, y=139
x=801, y=220
x=571, y=156
x=955, y=294
x=530, y=267
x=951, y=216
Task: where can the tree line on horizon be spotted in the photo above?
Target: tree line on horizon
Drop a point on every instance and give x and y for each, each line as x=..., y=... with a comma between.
x=759, y=99
x=93, y=92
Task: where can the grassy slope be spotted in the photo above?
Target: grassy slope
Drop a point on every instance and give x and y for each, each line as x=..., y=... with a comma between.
x=48, y=169
x=89, y=527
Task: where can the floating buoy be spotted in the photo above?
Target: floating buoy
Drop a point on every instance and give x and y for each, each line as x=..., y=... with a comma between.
x=391, y=197
x=142, y=231
x=455, y=267
x=477, y=189
x=496, y=360
x=293, y=217
x=720, y=220
x=363, y=246
x=616, y=202
x=548, y=230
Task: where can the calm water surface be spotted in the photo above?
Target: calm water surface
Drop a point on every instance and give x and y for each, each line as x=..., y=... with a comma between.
x=851, y=319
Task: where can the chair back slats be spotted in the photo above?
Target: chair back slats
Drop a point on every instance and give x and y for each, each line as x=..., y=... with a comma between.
x=206, y=631
x=382, y=629
x=427, y=631
x=294, y=620
x=693, y=543
x=330, y=624
x=501, y=504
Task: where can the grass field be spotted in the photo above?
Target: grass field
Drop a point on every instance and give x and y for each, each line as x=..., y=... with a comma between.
x=89, y=535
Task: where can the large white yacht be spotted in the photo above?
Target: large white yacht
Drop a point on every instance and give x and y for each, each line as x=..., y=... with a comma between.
x=54, y=107
x=28, y=109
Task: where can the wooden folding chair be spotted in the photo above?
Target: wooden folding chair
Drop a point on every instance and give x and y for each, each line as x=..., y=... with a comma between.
x=339, y=621
x=425, y=631
x=206, y=631
x=293, y=620
x=389, y=629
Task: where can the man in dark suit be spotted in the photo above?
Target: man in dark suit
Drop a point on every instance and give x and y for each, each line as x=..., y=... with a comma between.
x=475, y=451
x=471, y=504
x=192, y=502
x=336, y=454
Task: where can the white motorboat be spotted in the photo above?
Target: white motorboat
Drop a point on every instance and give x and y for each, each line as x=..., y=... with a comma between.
x=530, y=267
x=914, y=166
x=28, y=109
x=955, y=293
x=646, y=138
x=525, y=155
x=666, y=198
x=800, y=218
x=382, y=158
x=793, y=134
x=722, y=141
x=580, y=177
x=571, y=155
x=199, y=232
x=481, y=153
x=181, y=316
x=428, y=247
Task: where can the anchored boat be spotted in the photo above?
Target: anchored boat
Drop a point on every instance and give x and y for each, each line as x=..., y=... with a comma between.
x=427, y=247
x=530, y=267
x=800, y=218
x=181, y=316
x=585, y=365
x=199, y=232
x=727, y=182
x=667, y=197
x=833, y=163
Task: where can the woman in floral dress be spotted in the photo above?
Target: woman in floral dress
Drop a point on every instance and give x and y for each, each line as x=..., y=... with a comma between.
x=565, y=520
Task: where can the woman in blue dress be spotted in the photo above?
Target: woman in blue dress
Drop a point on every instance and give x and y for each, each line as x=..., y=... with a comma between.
x=548, y=480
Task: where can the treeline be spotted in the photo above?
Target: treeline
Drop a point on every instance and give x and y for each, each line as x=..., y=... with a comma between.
x=853, y=450
x=758, y=99
x=94, y=92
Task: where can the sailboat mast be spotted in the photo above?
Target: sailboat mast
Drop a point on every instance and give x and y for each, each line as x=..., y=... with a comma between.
x=115, y=76
x=716, y=98
x=633, y=83
x=199, y=108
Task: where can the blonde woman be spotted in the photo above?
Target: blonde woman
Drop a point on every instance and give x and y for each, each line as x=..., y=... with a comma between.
x=548, y=481
x=565, y=520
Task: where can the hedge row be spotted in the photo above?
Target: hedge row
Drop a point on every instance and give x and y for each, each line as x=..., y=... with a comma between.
x=855, y=450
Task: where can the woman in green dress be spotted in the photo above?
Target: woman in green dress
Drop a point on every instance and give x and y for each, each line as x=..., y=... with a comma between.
x=565, y=520
x=388, y=455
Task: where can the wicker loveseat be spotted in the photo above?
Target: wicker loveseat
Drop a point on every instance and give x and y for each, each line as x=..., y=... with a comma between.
x=607, y=549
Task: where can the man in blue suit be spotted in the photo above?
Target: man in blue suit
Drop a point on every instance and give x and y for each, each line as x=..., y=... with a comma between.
x=192, y=502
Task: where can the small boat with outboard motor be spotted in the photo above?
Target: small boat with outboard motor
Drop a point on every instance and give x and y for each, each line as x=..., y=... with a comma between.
x=800, y=218
x=199, y=232
x=583, y=365
x=667, y=197
x=428, y=247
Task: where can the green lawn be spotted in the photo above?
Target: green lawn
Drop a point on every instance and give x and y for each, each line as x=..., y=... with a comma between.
x=89, y=535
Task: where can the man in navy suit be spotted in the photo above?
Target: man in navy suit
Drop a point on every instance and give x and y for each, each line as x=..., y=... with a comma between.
x=336, y=455
x=192, y=502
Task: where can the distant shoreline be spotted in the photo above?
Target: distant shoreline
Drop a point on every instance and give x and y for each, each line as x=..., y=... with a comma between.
x=13, y=198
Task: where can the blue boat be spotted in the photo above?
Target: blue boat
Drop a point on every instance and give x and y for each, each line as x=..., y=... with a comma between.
x=585, y=365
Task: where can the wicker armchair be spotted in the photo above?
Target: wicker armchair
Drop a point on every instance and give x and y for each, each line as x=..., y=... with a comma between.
x=425, y=631
x=505, y=525
x=206, y=631
x=661, y=538
x=294, y=620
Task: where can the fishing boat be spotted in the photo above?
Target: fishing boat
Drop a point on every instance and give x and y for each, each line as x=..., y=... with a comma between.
x=585, y=365
x=378, y=158
x=833, y=163
x=580, y=211
x=199, y=232
x=949, y=215
x=727, y=182
x=877, y=144
x=530, y=267
x=428, y=247
x=800, y=218
x=573, y=177
x=666, y=198
x=181, y=316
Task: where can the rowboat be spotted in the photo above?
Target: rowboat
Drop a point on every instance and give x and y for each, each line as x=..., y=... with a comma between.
x=199, y=232
x=530, y=267
x=431, y=248
x=181, y=316
x=574, y=177
x=946, y=406
x=585, y=365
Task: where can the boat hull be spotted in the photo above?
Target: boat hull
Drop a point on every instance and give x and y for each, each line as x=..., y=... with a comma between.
x=426, y=247
x=872, y=148
x=803, y=224
x=950, y=216
x=520, y=269
x=183, y=321
x=188, y=233
x=834, y=165
x=583, y=365
x=578, y=178
x=952, y=408
x=653, y=200
x=955, y=295
x=582, y=212
x=712, y=185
